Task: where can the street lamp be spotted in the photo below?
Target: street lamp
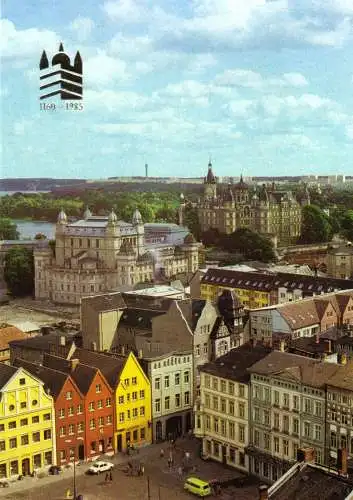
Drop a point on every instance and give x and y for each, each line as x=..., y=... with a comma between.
x=70, y=441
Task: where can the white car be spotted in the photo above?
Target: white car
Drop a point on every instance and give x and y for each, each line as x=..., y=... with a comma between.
x=99, y=466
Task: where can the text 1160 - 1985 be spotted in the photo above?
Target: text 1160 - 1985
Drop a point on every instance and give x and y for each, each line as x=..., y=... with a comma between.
x=67, y=106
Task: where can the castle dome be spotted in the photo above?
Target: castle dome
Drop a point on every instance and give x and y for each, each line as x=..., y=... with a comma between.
x=112, y=218
x=137, y=217
x=87, y=213
x=62, y=217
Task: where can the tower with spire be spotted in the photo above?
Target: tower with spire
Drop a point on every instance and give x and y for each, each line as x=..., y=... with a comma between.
x=210, y=183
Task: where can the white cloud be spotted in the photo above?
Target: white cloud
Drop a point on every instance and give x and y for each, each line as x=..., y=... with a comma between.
x=104, y=70
x=251, y=79
x=22, y=44
x=126, y=11
x=83, y=27
x=115, y=100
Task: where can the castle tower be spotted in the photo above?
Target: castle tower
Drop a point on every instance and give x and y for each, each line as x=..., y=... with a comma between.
x=210, y=184
x=61, y=224
x=113, y=240
x=44, y=63
x=78, y=63
x=140, y=230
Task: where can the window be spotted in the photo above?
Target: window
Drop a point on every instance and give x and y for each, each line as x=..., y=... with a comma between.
x=121, y=400
x=13, y=443
x=135, y=412
x=207, y=381
x=108, y=402
x=295, y=450
x=127, y=382
x=177, y=400
x=46, y=416
x=231, y=430
x=296, y=403
x=241, y=429
x=241, y=410
x=295, y=426
x=61, y=413
x=100, y=421
x=276, y=421
x=12, y=425
x=215, y=384
x=23, y=422
x=92, y=424
x=177, y=378
x=98, y=388
x=223, y=386
x=142, y=433
x=208, y=423
x=186, y=377
x=22, y=381
x=241, y=391
x=167, y=402
x=142, y=411
x=91, y=406
x=69, y=395
x=23, y=404
x=276, y=398
x=47, y=433
x=142, y=394
x=231, y=388
x=2, y=445
x=215, y=403
x=157, y=405
x=187, y=398
x=134, y=380
x=307, y=405
x=285, y=424
x=231, y=407
x=79, y=409
x=285, y=447
x=24, y=440
x=134, y=395
x=306, y=429
x=317, y=432
x=121, y=417
x=256, y=438
x=215, y=424
x=276, y=444
x=318, y=409
x=166, y=381
x=223, y=405
x=286, y=400
x=333, y=439
x=62, y=431
x=100, y=404
x=70, y=411
x=157, y=384
x=80, y=427
x=2, y=426
x=223, y=427
x=36, y=437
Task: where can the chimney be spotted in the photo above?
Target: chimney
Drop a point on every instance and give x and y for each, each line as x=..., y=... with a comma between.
x=62, y=340
x=341, y=358
x=263, y=492
x=140, y=354
x=122, y=350
x=342, y=461
x=74, y=363
x=328, y=346
x=306, y=454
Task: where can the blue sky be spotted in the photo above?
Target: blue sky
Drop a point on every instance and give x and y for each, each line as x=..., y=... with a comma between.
x=264, y=86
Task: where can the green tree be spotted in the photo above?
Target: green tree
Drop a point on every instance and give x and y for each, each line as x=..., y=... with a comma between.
x=251, y=245
x=8, y=230
x=211, y=237
x=316, y=227
x=346, y=222
x=191, y=221
x=19, y=271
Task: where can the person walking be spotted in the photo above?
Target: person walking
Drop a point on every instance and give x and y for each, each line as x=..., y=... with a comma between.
x=106, y=477
x=110, y=476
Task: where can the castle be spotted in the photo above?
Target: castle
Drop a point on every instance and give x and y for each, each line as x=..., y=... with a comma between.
x=274, y=213
x=99, y=254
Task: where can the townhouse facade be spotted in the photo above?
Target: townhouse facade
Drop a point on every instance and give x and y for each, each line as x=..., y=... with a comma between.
x=171, y=378
x=257, y=289
x=69, y=411
x=27, y=423
x=288, y=412
x=131, y=393
x=222, y=411
x=340, y=261
x=96, y=426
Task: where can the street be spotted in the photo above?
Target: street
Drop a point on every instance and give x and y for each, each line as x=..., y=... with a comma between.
x=165, y=483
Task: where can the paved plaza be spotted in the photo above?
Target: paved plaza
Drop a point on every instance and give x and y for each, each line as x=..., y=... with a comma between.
x=160, y=481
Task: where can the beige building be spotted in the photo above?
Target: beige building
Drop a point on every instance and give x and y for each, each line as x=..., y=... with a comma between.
x=340, y=261
x=268, y=211
x=98, y=254
x=222, y=412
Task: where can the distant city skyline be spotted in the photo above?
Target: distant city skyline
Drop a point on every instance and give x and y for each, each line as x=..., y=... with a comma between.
x=264, y=87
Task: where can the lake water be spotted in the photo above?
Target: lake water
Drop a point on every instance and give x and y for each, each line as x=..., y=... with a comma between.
x=28, y=229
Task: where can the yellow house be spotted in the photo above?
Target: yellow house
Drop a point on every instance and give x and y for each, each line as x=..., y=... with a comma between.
x=133, y=414
x=27, y=423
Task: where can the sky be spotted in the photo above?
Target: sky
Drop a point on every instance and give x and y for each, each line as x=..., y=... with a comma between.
x=264, y=87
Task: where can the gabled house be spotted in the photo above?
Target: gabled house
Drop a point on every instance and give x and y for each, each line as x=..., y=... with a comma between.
x=131, y=392
x=69, y=410
x=98, y=409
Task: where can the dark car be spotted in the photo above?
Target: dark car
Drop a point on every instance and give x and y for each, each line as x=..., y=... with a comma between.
x=54, y=470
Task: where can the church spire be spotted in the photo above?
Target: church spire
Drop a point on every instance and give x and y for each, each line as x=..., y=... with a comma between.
x=44, y=63
x=61, y=47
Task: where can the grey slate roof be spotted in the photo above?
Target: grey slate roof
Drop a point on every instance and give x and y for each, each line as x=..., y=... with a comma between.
x=106, y=301
x=234, y=365
x=82, y=374
x=53, y=379
x=110, y=367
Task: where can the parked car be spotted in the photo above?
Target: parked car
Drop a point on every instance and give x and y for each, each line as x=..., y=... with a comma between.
x=54, y=470
x=99, y=466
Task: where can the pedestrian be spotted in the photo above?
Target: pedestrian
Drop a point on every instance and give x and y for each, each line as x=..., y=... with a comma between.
x=106, y=477
x=110, y=476
x=170, y=462
x=161, y=454
x=142, y=470
x=180, y=472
